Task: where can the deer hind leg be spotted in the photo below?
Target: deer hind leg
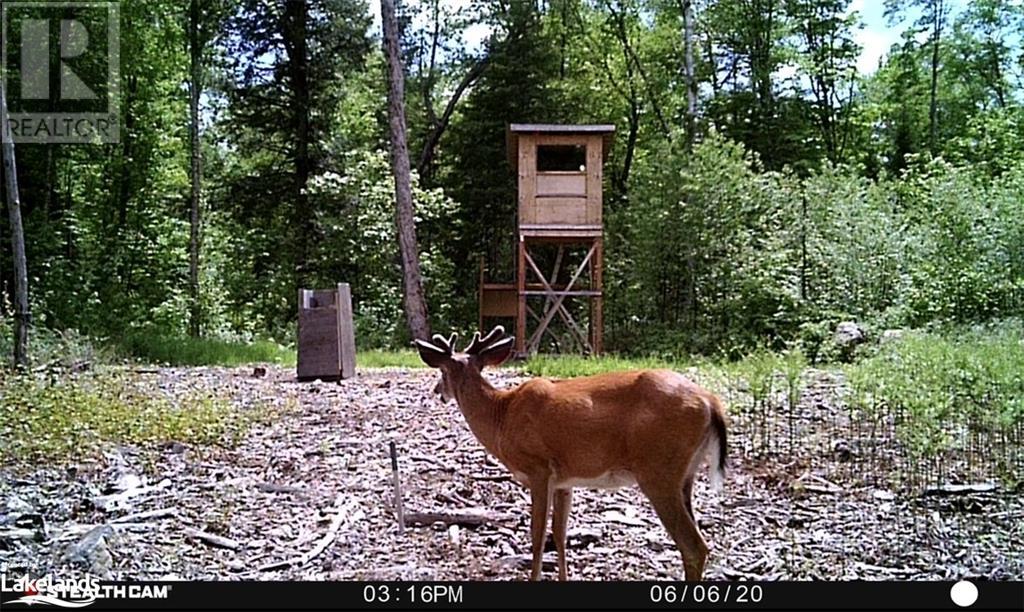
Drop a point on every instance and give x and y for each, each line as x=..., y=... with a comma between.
x=540, y=500
x=688, y=497
x=559, y=526
x=675, y=515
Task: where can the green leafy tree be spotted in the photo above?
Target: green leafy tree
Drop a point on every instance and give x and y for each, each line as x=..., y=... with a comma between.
x=281, y=83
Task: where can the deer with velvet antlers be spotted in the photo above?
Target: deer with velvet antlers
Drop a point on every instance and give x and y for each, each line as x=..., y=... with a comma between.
x=652, y=428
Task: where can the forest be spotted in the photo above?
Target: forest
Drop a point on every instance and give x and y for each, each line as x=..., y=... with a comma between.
x=761, y=187
x=780, y=171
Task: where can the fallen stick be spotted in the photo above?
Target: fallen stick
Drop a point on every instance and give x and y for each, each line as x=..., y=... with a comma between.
x=270, y=487
x=107, y=503
x=398, y=488
x=76, y=531
x=466, y=518
x=142, y=516
x=332, y=532
x=492, y=477
x=962, y=489
x=18, y=533
x=212, y=539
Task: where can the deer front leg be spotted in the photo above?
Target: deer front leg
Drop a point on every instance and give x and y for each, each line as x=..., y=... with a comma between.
x=559, y=526
x=540, y=501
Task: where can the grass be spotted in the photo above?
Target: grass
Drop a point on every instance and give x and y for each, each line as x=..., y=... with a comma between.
x=935, y=385
x=75, y=417
x=186, y=351
x=377, y=358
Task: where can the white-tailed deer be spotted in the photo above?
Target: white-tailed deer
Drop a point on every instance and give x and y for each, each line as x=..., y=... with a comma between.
x=653, y=428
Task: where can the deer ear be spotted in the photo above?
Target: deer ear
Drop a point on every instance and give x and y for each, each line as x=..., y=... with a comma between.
x=495, y=354
x=431, y=355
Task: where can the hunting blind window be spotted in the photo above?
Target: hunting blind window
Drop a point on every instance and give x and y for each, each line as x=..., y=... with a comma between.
x=561, y=158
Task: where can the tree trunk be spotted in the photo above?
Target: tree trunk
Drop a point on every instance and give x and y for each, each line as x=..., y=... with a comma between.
x=195, y=87
x=21, y=309
x=691, y=81
x=933, y=107
x=295, y=34
x=415, y=304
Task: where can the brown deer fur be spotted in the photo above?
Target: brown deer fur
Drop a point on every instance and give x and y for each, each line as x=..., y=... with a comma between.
x=653, y=428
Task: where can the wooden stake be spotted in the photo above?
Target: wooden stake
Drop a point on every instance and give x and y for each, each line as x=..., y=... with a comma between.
x=398, y=487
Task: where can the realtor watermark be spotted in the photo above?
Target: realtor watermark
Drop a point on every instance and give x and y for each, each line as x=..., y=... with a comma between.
x=61, y=71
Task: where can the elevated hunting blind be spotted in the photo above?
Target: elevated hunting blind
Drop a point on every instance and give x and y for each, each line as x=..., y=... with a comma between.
x=560, y=174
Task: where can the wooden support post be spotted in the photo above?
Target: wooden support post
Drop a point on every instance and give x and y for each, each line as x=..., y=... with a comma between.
x=597, y=282
x=546, y=320
x=553, y=302
x=480, y=298
x=521, y=289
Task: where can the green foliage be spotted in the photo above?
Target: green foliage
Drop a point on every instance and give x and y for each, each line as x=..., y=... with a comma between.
x=709, y=244
x=569, y=366
x=78, y=418
x=61, y=350
x=859, y=218
x=360, y=239
x=946, y=384
x=722, y=257
x=966, y=262
x=186, y=351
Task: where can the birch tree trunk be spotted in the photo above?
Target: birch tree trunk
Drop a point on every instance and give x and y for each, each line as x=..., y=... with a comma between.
x=195, y=88
x=21, y=308
x=413, y=298
x=691, y=80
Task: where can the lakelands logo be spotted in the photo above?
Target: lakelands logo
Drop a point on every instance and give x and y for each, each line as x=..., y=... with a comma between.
x=74, y=593
x=61, y=71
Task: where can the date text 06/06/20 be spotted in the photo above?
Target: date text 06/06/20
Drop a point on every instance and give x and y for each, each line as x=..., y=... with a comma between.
x=713, y=593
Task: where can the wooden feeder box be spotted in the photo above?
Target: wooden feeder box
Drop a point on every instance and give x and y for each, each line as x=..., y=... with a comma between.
x=327, y=346
x=560, y=184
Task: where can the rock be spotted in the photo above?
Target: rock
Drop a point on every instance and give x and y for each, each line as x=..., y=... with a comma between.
x=581, y=537
x=841, y=451
x=31, y=520
x=15, y=509
x=848, y=334
x=16, y=505
x=847, y=337
x=578, y=538
x=525, y=561
x=259, y=372
x=92, y=552
x=125, y=482
x=237, y=565
x=174, y=447
x=892, y=335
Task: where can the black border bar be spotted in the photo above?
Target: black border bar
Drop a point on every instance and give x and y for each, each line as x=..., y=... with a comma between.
x=859, y=595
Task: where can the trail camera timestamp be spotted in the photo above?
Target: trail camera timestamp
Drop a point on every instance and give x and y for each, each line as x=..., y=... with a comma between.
x=412, y=594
